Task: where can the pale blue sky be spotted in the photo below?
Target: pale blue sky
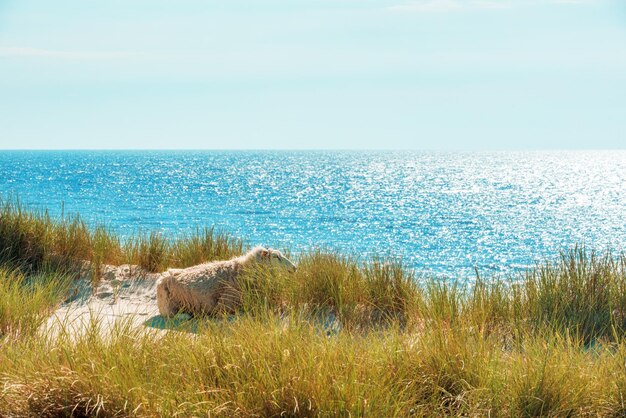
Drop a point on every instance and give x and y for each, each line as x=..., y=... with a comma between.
x=266, y=74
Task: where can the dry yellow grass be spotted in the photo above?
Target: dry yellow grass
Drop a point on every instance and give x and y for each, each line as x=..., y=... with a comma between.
x=337, y=338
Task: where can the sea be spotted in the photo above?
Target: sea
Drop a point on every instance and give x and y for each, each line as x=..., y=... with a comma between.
x=447, y=214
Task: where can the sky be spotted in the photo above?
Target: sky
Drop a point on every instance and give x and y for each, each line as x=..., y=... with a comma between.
x=313, y=74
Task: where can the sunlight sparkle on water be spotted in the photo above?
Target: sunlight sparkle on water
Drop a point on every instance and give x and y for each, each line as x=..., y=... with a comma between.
x=444, y=213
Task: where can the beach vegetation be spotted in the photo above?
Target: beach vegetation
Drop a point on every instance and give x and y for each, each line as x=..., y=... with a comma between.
x=340, y=336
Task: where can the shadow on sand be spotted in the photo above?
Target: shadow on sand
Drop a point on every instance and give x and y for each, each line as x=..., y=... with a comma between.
x=186, y=323
x=178, y=323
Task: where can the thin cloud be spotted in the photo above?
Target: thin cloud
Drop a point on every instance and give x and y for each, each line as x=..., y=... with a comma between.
x=445, y=6
x=428, y=6
x=486, y=4
x=69, y=55
x=573, y=1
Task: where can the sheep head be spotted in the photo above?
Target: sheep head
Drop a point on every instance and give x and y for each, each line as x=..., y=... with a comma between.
x=274, y=258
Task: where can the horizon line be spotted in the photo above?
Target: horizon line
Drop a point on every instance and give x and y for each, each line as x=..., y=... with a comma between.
x=310, y=149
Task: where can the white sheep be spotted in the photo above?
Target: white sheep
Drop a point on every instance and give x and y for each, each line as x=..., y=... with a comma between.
x=213, y=286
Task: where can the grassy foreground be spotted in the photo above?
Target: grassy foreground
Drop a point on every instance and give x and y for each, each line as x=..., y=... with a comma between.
x=550, y=343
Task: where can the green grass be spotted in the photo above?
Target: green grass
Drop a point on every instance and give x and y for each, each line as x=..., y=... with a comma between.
x=26, y=301
x=33, y=240
x=255, y=367
x=548, y=343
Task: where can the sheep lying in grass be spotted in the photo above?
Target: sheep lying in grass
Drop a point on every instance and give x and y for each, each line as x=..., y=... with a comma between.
x=211, y=287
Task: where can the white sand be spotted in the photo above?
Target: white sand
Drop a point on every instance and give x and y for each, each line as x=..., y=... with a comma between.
x=124, y=292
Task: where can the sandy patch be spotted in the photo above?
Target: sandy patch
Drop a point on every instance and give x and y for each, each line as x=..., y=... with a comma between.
x=126, y=295
x=124, y=292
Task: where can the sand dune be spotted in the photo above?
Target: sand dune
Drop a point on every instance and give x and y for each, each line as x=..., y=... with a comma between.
x=123, y=293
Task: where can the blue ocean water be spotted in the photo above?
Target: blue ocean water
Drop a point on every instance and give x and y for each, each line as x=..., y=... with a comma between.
x=441, y=213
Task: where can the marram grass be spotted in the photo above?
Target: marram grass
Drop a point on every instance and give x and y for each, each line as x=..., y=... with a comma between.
x=25, y=302
x=548, y=343
x=34, y=240
x=257, y=366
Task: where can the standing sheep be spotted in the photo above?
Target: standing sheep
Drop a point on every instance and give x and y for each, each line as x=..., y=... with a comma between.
x=208, y=287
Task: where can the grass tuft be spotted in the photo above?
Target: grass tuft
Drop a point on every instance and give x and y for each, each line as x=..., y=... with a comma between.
x=25, y=302
x=338, y=337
